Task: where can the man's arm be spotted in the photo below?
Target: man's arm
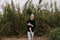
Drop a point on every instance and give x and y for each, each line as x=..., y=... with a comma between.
x=30, y=24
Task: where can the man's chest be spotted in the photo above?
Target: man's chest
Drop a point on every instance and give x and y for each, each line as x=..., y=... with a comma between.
x=32, y=22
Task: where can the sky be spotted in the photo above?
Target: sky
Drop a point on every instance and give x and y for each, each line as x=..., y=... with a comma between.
x=22, y=2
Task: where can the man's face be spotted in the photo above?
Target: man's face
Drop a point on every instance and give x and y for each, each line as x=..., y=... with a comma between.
x=32, y=17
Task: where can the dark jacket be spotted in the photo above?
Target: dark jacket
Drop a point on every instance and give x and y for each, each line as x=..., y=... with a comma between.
x=33, y=22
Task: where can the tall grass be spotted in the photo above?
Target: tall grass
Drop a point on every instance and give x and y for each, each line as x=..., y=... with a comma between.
x=13, y=22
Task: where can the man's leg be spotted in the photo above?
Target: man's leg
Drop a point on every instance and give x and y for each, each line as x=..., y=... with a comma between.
x=29, y=35
x=32, y=35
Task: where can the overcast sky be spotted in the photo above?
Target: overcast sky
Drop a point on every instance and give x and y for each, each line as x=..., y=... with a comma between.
x=22, y=2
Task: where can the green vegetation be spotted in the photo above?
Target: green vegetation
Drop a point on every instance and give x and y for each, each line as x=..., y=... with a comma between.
x=55, y=34
x=13, y=22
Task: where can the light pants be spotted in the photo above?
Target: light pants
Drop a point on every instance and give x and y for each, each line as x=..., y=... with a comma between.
x=30, y=35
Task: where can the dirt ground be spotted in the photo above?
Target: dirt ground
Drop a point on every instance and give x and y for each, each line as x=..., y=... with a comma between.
x=35, y=38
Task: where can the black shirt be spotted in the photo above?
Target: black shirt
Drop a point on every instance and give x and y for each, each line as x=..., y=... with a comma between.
x=33, y=22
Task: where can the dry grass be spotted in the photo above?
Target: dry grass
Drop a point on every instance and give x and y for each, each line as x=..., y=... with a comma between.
x=36, y=38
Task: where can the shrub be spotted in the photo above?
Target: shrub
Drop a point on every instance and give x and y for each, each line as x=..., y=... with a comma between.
x=55, y=34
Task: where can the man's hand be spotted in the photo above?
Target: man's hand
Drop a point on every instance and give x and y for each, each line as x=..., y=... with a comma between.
x=30, y=29
x=30, y=24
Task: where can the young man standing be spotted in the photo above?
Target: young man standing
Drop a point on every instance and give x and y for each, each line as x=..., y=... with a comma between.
x=30, y=27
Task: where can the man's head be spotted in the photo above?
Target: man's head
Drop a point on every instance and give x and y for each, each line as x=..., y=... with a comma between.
x=32, y=16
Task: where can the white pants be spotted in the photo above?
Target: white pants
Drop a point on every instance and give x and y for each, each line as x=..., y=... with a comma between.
x=30, y=35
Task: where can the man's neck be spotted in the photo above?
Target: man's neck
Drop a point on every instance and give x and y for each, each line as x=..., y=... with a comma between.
x=31, y=19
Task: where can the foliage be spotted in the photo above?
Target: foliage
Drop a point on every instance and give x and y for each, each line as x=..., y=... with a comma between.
x=55, y=34
x=13, y=22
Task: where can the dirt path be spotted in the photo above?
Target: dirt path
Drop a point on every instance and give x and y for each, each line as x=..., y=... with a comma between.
x=36, y=38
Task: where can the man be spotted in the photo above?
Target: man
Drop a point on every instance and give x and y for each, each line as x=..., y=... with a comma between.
x=30, y=27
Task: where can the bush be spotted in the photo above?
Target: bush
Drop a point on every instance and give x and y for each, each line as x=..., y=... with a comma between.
x=55, y=34
x=13, y=21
